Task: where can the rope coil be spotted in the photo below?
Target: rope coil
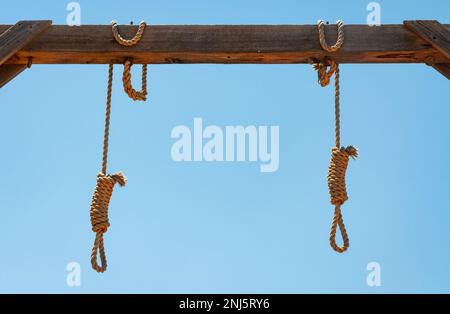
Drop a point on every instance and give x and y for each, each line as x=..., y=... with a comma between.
x=339, y=155
x=126, y=78
x=99, y=214
x=338, y=192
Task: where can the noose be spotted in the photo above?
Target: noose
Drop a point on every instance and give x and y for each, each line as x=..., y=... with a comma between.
x=105, y=182
x=339, y=155
x=103, y=190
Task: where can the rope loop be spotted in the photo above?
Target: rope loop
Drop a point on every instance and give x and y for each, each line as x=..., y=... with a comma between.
x=127, y=86
x=338, y=192
x=339, y=222
x=322, y=39
x=99, y=214
x=128, y=42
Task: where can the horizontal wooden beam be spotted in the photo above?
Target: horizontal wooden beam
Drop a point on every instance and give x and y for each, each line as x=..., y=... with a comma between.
x=226, y=44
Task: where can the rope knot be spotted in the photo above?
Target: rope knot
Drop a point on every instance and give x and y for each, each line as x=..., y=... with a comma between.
x=325, y=71
x=338, y=192
x=99, y=213
x=336, y=173
x=100, y=200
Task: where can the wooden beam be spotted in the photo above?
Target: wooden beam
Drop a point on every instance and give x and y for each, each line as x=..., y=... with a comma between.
x=443, y=68
x=438, y=36
x=226, y=44
x=12, y=40
x=432, y=32
x=10, y=71
x=17, y=36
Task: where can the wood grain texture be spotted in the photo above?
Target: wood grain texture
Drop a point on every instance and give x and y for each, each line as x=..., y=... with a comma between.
x=226, y=44
x=432, y=32
x=10, y=71
x=19, y=35
x=443, y=68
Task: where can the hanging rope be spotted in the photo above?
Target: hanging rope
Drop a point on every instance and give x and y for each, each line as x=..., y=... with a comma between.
x=103, y=191
x=339, y=155
x=126, y=78
x=105, y=182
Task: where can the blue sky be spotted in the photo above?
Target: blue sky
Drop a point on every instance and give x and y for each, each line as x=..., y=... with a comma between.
x=204, y=227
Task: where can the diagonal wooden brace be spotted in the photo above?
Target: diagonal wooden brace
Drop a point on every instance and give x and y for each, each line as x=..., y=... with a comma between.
x=14, y=39
x=438, y=36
